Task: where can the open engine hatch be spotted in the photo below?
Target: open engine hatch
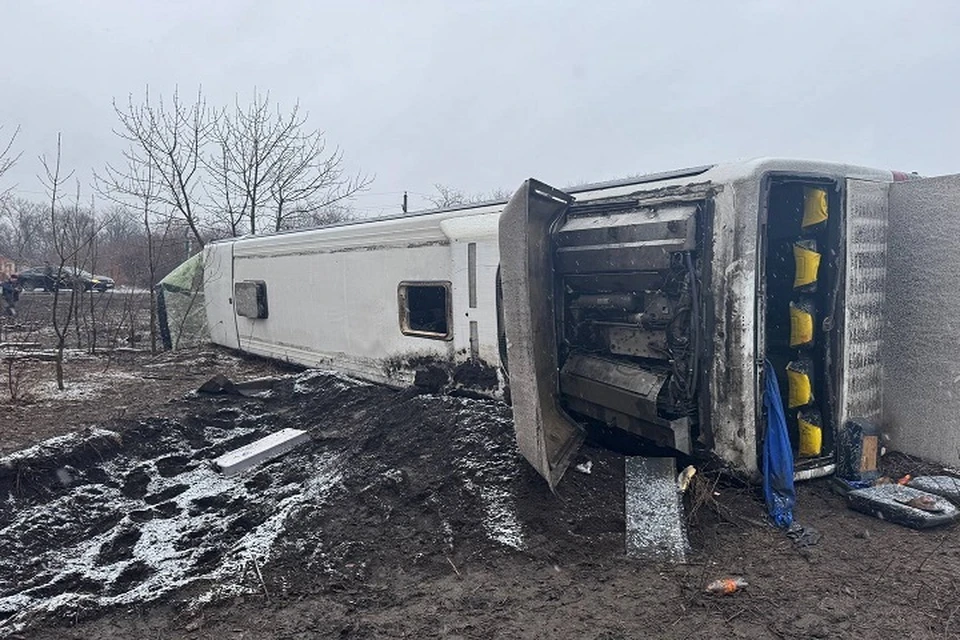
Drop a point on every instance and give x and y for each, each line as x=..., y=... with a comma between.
x=603, y=319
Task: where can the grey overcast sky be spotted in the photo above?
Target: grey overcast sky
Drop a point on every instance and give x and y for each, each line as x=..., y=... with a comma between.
x=480, y=95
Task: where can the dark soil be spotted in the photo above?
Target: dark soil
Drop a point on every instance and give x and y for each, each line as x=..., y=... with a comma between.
x=115, y=377
x=411, y=515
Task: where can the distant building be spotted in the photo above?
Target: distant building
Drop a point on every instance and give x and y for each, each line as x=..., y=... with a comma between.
x=7, y=265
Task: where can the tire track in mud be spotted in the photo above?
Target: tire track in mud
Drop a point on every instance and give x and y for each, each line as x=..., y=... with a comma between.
x=107, y=518
x=134, y=512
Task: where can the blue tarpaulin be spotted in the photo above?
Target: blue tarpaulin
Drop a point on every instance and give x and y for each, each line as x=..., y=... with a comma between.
x=778, y=488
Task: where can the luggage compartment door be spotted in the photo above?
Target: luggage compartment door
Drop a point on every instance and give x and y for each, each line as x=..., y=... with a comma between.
x=861, y=384
x=546, y=437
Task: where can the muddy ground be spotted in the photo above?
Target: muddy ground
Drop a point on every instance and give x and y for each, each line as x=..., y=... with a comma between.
x=406, y=515
x=119, y=378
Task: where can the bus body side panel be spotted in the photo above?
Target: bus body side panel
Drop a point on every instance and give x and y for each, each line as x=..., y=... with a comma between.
x=475, y=256
x=339, y=308
x=732, y=374
x=334, y=297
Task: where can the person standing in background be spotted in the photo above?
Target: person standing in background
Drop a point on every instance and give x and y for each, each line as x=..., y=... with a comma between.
x=10, y=292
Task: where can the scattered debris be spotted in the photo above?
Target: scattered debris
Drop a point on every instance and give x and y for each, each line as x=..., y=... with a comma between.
x=858, y=451
x=944, y=486
x=684, y=478
x=892, y=502
x=803, y=535
x=924, y=503
x=262, y=450
x=447, y=490
x=584, y=467
x=455, y=570
x=218, y=384
x=654, y=510
x=726, y=586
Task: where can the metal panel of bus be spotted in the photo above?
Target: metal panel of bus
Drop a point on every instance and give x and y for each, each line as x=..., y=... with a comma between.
x=545, y=436
x=861, y=380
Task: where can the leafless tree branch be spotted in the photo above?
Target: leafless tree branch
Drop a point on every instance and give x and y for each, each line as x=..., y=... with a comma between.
x=269, y=172
x=448, y=197
x=166, y=140
x=7, y=159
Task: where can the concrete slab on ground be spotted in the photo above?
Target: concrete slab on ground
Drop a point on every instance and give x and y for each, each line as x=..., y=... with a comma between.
x=260, y=451
x=654, y=510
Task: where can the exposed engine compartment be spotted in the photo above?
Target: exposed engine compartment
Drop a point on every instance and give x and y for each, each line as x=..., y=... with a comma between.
x=629, y=316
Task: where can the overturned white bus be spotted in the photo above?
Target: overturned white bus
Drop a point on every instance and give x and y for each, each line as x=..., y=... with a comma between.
x=648, y=304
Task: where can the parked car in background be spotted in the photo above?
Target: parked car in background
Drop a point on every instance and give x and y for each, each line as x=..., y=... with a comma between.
x=91, y=282
x=49, y=279
x=39, y=278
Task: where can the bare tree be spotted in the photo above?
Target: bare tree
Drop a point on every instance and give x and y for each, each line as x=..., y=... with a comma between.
x=332, y=214
x=73, y=234
x=448, y=197
x=246, y=169
x=154, y=244
x=270, y=172
x=23, y=229
x=82, y=229
x=139, y=193
x=7, y=157
x=54, y=182
x=91, y=230
x=166, y=143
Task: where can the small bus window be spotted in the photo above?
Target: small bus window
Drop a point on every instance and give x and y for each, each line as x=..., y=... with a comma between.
x=250, y=298
x=425, y=310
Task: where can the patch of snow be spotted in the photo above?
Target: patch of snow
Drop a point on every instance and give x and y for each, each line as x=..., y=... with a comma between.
x=79, y=390
x=168, y=548
x=488, y=472
x=500, y=522
x=304, y=381
x=258, y=544
x=53, y=445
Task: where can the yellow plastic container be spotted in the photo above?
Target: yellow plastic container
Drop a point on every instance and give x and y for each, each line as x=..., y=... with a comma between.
x=801, y=324
x=800, y=384
x=811, y=434
x=814, y=206
x=807, y=259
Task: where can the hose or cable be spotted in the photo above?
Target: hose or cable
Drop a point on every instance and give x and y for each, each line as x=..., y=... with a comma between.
x=695, y=326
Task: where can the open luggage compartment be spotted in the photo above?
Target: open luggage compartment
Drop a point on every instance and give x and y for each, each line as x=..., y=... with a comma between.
x=799, y=304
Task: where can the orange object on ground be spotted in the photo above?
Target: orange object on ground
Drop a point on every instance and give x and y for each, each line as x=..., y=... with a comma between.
x=726, y=586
